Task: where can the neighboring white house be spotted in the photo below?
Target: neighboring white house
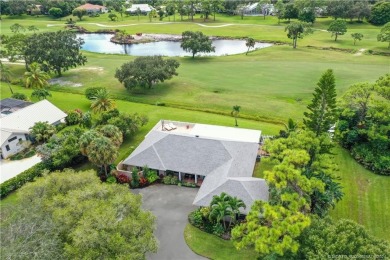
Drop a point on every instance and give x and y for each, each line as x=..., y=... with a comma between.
x=93, y=9
x=18, y=116
x=223, y=157
x=144, y=9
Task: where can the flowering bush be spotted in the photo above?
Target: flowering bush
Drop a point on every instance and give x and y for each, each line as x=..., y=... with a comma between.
x=143, y=182
x=123, y=178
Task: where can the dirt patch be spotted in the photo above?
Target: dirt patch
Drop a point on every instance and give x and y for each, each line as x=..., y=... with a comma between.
x=64, y=82
x=98, y=69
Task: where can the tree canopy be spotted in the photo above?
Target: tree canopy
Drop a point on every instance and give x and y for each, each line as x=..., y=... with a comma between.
x=297, y=30
x=146, y=71
x=196, y=42
x=55, y=51
x=380, y=13
x=337, y=27
x=102, y=220
x=384, y=35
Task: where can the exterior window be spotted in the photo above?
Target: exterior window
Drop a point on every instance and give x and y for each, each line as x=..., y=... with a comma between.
x=7, y=147
x=13, y=138
x=20, y=139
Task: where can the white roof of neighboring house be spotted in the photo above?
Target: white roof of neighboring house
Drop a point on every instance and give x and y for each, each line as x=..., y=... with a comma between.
x=225, y=155
x=142, y=7
x=21, y=120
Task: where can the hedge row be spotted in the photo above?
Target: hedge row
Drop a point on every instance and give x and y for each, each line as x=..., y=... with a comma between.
x=18, y=181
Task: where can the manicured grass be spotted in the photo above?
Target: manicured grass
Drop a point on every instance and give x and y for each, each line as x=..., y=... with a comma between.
x=366, y=196
x=217, y=83
x=213, y=247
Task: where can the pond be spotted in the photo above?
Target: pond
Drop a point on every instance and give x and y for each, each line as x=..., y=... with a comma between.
x=101, y=43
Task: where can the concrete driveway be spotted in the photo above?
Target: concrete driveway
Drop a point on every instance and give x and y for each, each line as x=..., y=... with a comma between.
x=171, y=205
x=10, y=169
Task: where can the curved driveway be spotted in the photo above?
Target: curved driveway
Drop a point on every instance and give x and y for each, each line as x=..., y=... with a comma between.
x=171, y=205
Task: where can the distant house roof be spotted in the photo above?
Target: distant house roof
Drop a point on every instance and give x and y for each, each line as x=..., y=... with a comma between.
x=21, y=120
x=142, y=7
x=88, y=6
x=225, y=155
x=10, y=105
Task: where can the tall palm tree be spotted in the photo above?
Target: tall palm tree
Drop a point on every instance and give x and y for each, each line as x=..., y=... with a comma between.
x=42, y=131
x=235, y=112
x=35, y=77
x=86, y=139
x=102, y=152
x=219, y=211
x=5, y=75
x=102, y=101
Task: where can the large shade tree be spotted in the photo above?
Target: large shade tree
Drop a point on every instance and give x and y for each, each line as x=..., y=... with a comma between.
x=196, y=42
x=384, y=35
x=145, y=71
x=297, y=30
x=337, y=27
x=55, y=51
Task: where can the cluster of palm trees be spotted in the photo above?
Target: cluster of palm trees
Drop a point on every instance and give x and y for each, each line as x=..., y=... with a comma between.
x=225, y=207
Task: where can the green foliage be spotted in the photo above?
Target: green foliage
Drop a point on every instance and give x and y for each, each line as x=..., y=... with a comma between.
x=102, y=101
x=167, y=179
x=113, y=17
x=22, y=178
x=19, y=96
x=250, y=43
x=111, y=132
x=79, y=12
x=35, y=77
x=195, y=42
x=364, y=124
x=356, y=37
x=322, y=110
x=325, y=237
x=55, y=12
x=90, y=93
x=55, y=51
x=196, y=218
x=74, y=117
x=235, y=112
x=86, y=139
x=41, y=93
x=111, y=180
x=307, y=15
x=62, y=149
x=128, y=124
x=384, y=35
x=146, y=71
x=297, y=30
x=218, y=229
x=110, y=215
x=271, y=228
x=150, y=175
x=86, y=120
x=102, y=152
x=42, y=131
x=380, y=13
x=337, y=27
x=135, y=178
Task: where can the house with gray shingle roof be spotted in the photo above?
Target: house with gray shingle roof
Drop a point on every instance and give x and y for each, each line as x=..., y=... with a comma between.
x=223, y=158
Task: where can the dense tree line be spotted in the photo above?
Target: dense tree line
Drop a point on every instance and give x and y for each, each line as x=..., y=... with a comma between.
x=364, y=124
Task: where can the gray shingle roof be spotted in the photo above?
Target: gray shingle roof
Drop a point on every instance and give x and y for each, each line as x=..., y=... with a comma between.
x=228, y=165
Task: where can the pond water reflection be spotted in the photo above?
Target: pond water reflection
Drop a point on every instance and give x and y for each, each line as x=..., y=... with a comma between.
x=101, y=43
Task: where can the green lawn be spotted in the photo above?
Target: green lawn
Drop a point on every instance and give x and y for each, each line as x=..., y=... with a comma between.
x=213, y=247
x=367, y=196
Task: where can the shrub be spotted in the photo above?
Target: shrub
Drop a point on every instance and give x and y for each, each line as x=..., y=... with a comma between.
x=16, y=157
x=134, y=178
x=60, y=126
x=90, y=93
x=195, y=218
x=218, y=229
x=205, y=212
x=19, y=96
x=152, y=177
x=174, y=180
x=111, y=179
x=189, y=184
x=167, y=179
x=160, y=104
x=74, y=117
x=123, y=178
x=18, y=181
x=29, y=154
x=143, y=182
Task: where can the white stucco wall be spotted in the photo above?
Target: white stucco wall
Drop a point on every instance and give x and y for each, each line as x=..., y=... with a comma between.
x=14, y=145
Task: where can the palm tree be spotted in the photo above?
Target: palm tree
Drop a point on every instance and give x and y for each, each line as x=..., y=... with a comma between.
x=86, y=139
x=250, y=43
x=219, y=211
x=102, y=102
x=42, y=93
x=102, y=152
x=235, y=112
x=5, y=75
x=35, y=77
x=42, y=131
x=235, y=205
x=224, y=197
x=113, y=133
